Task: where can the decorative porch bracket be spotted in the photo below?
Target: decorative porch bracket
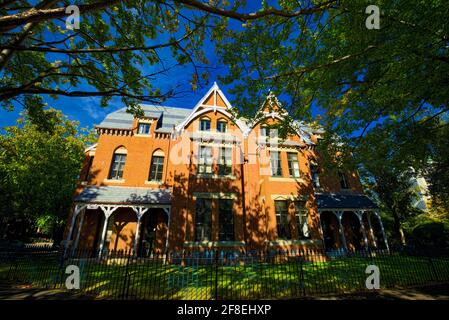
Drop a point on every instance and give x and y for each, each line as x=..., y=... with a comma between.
x=140, y=211
x=78, y=208
x=359, y=215
x=108, y=211
x=339, y=215
x=382, y=229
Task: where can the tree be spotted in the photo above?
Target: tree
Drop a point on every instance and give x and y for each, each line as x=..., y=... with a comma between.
x=382, y=94
x=39, y=166
x=116, y=51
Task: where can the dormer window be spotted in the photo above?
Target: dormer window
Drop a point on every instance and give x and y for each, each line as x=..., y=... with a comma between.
x=222, y=125
x=265, y=131
x=143, y=128
x=205, y=124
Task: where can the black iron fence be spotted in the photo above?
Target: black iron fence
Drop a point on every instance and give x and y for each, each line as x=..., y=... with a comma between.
x=220, y=274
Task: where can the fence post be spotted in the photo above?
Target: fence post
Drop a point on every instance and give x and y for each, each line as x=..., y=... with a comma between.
x=216, y=274
x=301, y=276
x=126, y=283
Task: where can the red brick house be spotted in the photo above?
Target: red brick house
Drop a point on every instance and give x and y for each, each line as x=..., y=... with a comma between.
x=181, y=178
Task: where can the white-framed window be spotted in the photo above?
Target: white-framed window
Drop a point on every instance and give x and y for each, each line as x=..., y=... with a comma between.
x=293, y=164
x=157, y=166
x=143, y=128
x=205, y=159
x=265, y=131
x=205, y=124
x=301, y=219
x=222, y=125
x=225, y=161
x=276, y=166
x=118, y=164
x=282, y=220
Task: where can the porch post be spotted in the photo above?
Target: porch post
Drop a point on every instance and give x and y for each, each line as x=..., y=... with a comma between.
x=79, y=231
x=339, y=215
x=76, y=211
x=362, y=227
x=368, y=216
x=140, y=211
x=108, y=211
x=168, y=212
x=383, y=230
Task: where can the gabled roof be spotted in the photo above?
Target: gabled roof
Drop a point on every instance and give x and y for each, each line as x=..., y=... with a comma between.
x=209, y=103
x=171, y=118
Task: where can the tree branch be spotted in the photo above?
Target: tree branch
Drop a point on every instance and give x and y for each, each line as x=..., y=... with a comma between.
x=98, y=50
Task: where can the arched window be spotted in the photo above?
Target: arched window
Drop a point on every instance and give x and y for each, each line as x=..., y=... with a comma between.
x=118, y=163
x=222, y=125
x=157, y=166
x=205, y=124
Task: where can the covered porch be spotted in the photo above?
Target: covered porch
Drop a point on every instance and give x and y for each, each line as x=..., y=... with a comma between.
x=350, y=222
x=120, y=218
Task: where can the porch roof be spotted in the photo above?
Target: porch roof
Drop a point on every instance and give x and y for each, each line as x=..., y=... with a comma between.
x=344, y=201
x=128, y=195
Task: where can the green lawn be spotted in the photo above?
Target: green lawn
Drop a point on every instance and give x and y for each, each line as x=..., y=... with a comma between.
x=154, y=279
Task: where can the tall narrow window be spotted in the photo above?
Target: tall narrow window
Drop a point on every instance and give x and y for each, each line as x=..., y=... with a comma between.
x=225, y=220
x=118, y=164
x=222, y=126
x=315, y=176
x=282, y=219
x=157, y=166
x=276, y=167
x=203, y=213
x=89, y=167
x=301, y=217
x=205, y=124
x=225, y=161
x=293, y=164
x=144, y=128
x=205, y=160
x=343, y=181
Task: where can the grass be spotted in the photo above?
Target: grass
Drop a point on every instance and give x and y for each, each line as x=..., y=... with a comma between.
x=154, y=279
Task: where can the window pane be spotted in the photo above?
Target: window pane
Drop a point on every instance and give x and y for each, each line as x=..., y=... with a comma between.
x=205, y=160
x=157, y=167
x=118, y=164
x=144, y=128
x=203, y=214
x=301, y=217
x=264, y=131
x=225, y=161
x=276, y=168
x=226, y=220
x=293, y=164
x=282, y=220
x=205, y=125
x=221, y=126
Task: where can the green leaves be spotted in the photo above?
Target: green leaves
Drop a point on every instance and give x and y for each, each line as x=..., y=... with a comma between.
x=40, y=160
